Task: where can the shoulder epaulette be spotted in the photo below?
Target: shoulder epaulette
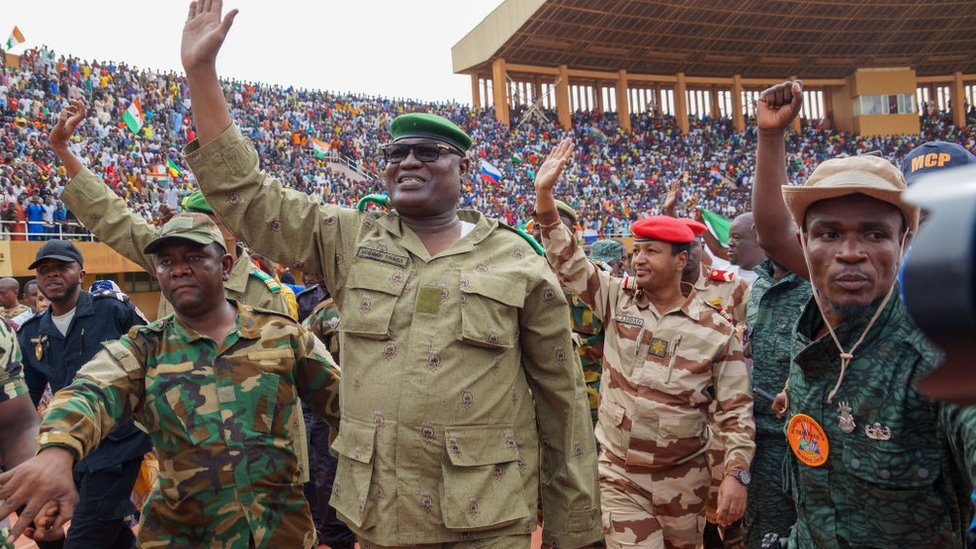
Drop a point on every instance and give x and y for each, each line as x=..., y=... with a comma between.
x=629, y=282
x=720, y=275
x=527, y=237
x=262, y=310
x=268, y=280
x=378, y=199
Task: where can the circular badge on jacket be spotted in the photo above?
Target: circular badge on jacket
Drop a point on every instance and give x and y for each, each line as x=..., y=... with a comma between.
x=808, y=440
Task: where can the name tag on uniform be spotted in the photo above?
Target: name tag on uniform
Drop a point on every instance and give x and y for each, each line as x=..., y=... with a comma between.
x=631, y=320
x=384, y=257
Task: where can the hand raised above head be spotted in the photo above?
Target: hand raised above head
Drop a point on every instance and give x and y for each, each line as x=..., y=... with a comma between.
x=552, y=168
x=779, y=105
x=204, y=33
x=69, y=118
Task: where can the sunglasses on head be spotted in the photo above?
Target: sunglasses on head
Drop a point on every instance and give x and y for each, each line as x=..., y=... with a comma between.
x=424, y=152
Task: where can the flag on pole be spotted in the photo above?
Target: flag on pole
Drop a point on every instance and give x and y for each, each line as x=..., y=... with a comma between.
x=133, y=116
x=490, y=173
x=321, y=148
x=16, y=37
x=172, y=168
x=717, y=225
x=625, y=209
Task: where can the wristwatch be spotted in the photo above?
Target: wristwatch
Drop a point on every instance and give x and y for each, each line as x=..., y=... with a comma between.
x=743, y=476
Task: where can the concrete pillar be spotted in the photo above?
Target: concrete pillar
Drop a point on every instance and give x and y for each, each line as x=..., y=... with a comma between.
x=537, y=90
x=713, y=99
x=623, y=106
x=475, y=91
x=562, y=98
x=738, y=120
x=681, y=104
x=598, y=96
x=796, y=125
x=829, y=109
x=957, y=95
x=499, y=85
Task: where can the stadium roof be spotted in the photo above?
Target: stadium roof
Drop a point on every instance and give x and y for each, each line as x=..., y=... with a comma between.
x=752, y=38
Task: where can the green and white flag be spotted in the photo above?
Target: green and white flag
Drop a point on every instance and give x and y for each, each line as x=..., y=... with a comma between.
x=717, y=225
x=133, y=116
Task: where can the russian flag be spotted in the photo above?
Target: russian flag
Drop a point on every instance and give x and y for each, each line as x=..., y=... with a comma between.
x=490, y=173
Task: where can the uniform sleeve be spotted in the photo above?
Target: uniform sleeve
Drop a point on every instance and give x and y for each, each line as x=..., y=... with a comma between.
x=11, y=368
x=960, y=426
x=317, y=378
x=108, y=218
x=290, y=227
x=581, y=277
x=733, y=414
x=107, y=391
x=568, y=476
x=741, y=297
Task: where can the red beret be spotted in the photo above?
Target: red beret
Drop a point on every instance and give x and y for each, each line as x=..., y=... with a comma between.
x=696, y=227
x=662, y=227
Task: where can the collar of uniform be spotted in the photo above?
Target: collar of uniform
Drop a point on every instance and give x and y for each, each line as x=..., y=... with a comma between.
x=814, y=351
x=83, y=308
x=703, y=273
x=244, y=324
x=483, y=227
x=237, y=280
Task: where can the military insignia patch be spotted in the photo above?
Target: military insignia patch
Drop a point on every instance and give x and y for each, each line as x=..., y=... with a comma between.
x=844, y=419
x=876, y=431
x=808, y=440
x=658, y=347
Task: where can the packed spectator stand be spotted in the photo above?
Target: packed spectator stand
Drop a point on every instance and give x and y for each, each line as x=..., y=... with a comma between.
x=617, y=175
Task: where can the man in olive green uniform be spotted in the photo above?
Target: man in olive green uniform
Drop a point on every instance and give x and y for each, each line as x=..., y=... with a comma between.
x=462, y=404
x=109, y=219
x=216, y=386
x=875, y=463
x=775, y=302
x=666, y=358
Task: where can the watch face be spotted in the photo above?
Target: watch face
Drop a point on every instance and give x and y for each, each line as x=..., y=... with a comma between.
x=745, y=477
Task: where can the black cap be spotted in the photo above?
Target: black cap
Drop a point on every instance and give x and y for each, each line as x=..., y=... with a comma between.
x=62, y=250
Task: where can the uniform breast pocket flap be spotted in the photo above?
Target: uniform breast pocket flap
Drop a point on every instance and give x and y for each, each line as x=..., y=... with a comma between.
x=490, y=307
x=373, y=294
x=273, y=360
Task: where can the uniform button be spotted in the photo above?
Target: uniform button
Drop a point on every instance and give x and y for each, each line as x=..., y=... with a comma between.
x=923, y=472
x=855, y=463
x=884, y=474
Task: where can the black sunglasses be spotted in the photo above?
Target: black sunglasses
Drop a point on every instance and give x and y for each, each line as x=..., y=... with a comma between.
x=425, y=152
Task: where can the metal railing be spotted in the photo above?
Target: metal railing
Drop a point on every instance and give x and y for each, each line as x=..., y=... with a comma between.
x=40, y=231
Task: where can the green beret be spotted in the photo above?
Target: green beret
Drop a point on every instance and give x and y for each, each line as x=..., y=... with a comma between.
x=422, y=124
x=567, y=210
x=607, y=251
x=195, y=203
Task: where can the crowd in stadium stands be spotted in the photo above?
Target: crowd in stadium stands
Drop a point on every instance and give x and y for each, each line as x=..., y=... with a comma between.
x=617, y=175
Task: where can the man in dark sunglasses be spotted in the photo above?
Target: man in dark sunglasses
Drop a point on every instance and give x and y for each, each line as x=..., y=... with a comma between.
x=457, y=357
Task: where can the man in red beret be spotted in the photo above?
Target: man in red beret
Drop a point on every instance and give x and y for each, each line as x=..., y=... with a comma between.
x=667, y=357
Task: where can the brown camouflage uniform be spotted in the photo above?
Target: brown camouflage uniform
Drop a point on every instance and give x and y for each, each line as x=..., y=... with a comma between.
x=726, y=290
x=659, y=374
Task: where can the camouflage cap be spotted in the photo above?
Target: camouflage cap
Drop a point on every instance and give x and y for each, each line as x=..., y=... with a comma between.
x=606, y=251
x=195, y=227
x=196, y=203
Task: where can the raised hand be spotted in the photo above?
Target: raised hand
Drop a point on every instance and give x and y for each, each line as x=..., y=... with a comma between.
x=779, y=105
x=671, y=200
x=552, y=168
x=69, y=118
x=164, y=214
x=203, y=34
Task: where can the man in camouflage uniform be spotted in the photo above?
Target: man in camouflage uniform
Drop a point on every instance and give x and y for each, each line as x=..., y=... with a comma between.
x=109, y=219
x=461, y=401
x=665, y=356
x=216, y=385
x=890, y=468
x=10, y=307
x=775, y=302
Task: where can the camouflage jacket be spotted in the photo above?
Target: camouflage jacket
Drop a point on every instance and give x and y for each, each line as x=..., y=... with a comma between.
x=223, y=418
x=323, y=322
x=660, y=369
x=590, y=348
x=896, y=469
x=723, y=290
x=441, y=358
x=774, y=306
x=107, y=217
x=11, y=369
